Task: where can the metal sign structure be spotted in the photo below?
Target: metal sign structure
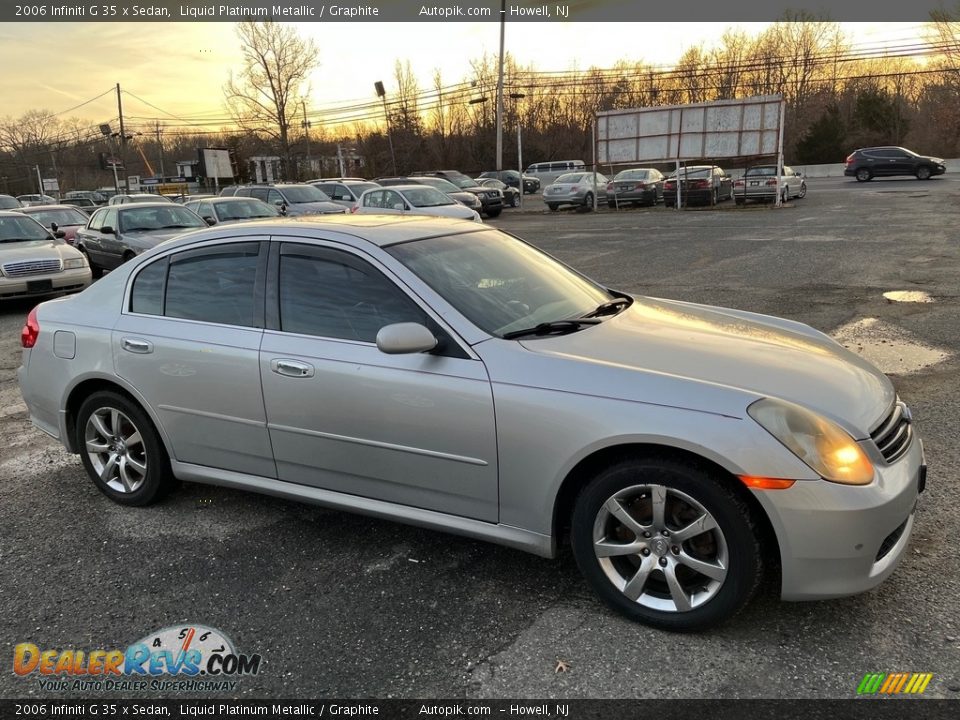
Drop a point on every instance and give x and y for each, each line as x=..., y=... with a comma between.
x=748, y=127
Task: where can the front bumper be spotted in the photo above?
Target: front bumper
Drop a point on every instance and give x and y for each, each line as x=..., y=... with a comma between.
x=65, y=281
x=838, y=540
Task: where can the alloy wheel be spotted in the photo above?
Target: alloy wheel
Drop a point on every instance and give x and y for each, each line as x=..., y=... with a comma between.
x=116, y=450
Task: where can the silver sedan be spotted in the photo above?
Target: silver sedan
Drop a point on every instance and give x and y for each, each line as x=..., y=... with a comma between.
x=445, y=374
x=578, y=188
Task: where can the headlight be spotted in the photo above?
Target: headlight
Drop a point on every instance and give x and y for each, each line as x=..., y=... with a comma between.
x=74, y=263
x=824, y=446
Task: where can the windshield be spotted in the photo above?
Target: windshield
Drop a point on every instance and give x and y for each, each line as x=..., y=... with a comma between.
x=60, y=216
x=358, y=188
x=296, y=194
x=694, y=173
x=7, y=202
x=16, y=229
x=427, y=197
x=462, y=181
x=633, y=175
x=439, y=183
x=499, y=283
x=244, y=209
x=764, y=171
x=143, y=219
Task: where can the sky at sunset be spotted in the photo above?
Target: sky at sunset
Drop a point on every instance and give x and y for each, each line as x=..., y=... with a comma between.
x=181, y=67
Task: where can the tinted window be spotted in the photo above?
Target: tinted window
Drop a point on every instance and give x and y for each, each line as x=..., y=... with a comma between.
x=96, y=222
x=333, y=294
x=147, y=294
x=214, y=285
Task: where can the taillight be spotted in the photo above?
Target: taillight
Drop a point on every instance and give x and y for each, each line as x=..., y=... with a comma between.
x=670, y=184
x=739, y=183
x=30, y=331
x=702, y=183
x=574, y=188
x=610, y=187
x=354, y=208
x=849, y=159
x=771, y=182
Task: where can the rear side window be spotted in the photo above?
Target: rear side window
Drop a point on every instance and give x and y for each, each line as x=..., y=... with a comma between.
x=217, y=285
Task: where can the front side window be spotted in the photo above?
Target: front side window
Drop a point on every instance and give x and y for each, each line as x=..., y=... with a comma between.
x=330, y=293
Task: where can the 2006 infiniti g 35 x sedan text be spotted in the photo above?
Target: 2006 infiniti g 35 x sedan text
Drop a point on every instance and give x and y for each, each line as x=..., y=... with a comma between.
x=446, y=374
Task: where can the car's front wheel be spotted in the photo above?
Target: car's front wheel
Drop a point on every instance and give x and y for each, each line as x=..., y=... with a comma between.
x=121, y=450
x=923, y=173
x=666, y=543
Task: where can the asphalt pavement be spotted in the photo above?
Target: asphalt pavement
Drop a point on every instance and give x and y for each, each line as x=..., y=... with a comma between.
x=341, y=605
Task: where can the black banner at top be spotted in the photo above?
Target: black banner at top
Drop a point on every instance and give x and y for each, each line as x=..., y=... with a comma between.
x=728, y=11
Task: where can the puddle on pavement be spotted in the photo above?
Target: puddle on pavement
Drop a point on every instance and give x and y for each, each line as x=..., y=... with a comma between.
x=911, y=296
x=892, y=349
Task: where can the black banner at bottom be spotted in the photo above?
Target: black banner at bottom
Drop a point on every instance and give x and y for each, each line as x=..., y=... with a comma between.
x=858, y=709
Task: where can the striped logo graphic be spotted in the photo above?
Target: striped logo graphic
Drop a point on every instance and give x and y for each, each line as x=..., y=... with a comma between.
x=894, y=683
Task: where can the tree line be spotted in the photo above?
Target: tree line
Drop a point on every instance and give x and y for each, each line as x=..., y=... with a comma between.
x=838, y=97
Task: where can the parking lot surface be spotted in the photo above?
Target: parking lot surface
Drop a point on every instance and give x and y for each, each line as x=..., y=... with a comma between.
x=340, y=605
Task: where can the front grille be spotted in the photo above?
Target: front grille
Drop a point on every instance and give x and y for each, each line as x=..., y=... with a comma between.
x=890, y=540
x=31, y=267
x=894, y=434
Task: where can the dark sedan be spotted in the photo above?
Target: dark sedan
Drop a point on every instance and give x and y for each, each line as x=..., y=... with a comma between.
x=512, y=178
x=511, y=196
x=699, y=184
x=636, y=186
x=117, y=233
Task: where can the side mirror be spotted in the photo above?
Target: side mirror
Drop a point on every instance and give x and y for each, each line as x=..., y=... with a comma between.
x=107, y=230
x=798, y=174
x=54, y=226
x=209, y=220
x=405, y=338
x=59, y=233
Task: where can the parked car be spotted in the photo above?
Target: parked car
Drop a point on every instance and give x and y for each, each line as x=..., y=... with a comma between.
x=30, y=200
x=221, y=210
x=463, y=197
x=8, y=202
x=867, y=163
x=413, y=199
x=578, y=188
x=449, y=375
x=34, y=262
x=701, y=184
x=531, y=184
x=760, y=183
x=63, y=219
x=95, y=195
x=116, y=234
x=85, y=205
x=122, y=199
x=635, y=186
x=491, y=199
x=346, y=191
x=293, y=199
x=229, y=190
x=511, y=196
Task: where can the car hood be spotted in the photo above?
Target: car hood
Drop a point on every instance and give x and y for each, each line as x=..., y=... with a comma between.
x=35, y=250
x=313, y=208
x=762, y=355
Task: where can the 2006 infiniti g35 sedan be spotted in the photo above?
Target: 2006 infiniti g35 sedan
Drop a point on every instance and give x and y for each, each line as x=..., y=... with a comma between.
x=446, y=374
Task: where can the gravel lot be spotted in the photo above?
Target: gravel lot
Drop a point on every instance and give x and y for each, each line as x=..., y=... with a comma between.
x=345, y=606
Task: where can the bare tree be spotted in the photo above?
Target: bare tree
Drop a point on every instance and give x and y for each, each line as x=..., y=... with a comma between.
x=263, y=96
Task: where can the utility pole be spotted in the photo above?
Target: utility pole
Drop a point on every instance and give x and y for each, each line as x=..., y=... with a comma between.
x=123, y=143
x=160, y=145
x=306, y=134
x=39, y=179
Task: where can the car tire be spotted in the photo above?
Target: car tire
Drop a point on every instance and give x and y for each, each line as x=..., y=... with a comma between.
x=553, y=206
x=923, y=173
x=632, y=559
x=803, y=190
x=494, y=213
x=863, y=175
x=588, y=201
x=740, y=201
x=715, y=198
x=514, y=200
x=121, y=450
x=611, y=204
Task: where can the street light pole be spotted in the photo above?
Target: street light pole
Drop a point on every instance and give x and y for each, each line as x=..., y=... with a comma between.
x=503, y=24
x=306, y=135
x=378, y=86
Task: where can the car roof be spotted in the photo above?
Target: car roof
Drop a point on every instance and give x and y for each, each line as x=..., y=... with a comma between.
x=49, y=206
x=379, y=230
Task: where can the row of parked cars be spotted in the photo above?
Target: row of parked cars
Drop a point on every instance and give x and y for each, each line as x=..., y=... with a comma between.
x=698, y=184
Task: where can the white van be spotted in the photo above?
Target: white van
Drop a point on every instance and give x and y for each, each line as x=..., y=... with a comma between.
x=547, y=172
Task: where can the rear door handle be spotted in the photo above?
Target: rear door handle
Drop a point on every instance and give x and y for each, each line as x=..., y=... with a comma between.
x=291, y=368
x=136, y=345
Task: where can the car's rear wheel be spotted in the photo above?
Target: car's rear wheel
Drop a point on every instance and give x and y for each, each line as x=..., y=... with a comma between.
x=514, y=200
x=588, y=201
x=803, y=190
x=666, y=543
x=923, y=173
x=740, y=200
x=121, y=450
x=715, y=198
x=494, y=213
x=553, y=206
x=96, y=272
x=863, y=175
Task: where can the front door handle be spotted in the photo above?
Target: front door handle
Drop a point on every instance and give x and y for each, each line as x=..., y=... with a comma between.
x=136, y=345
x=291, y=368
